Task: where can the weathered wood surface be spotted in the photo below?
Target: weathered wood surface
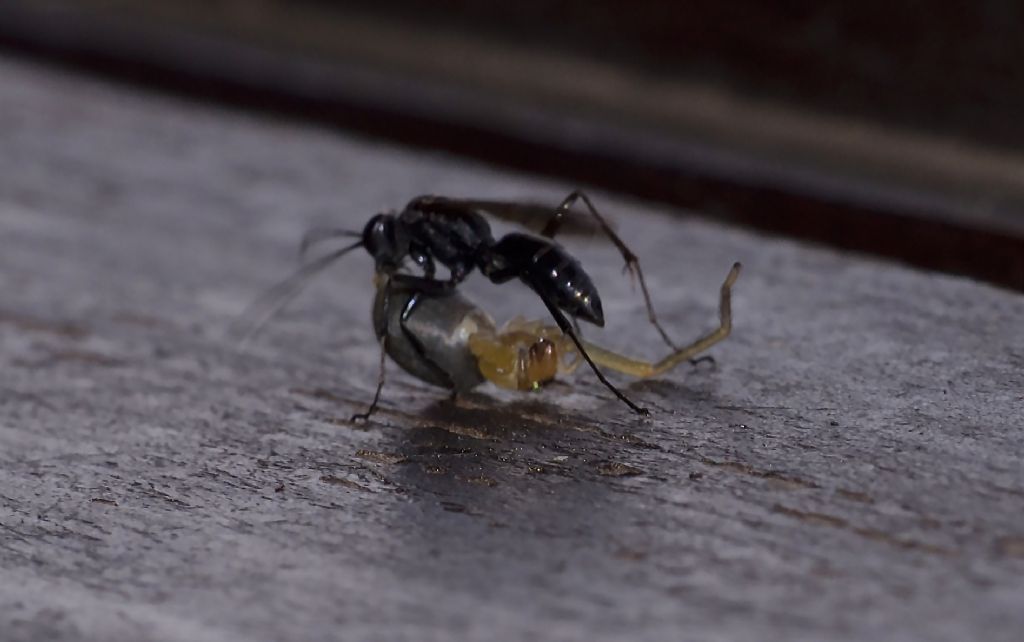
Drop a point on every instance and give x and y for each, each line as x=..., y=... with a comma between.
x=851, y=469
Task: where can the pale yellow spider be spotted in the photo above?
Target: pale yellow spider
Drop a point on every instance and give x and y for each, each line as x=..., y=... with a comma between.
x=450, y=342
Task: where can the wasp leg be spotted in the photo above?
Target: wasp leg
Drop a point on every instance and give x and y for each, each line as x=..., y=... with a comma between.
x=422, y=258
x=576, y=325
x=363, y=416
x=632, y=262
x=644, y=369
x=410, y=307
x=566, y=329
x=425, y=284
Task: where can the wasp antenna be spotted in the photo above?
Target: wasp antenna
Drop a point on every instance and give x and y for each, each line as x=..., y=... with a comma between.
x=273, y=300
x=318, y=234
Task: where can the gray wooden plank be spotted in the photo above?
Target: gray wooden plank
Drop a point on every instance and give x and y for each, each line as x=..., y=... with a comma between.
x=850, y=469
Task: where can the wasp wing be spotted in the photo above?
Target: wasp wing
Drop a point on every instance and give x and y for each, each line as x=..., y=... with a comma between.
x=532, y=216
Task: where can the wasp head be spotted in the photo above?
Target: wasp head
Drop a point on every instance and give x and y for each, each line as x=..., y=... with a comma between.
x=386, y=241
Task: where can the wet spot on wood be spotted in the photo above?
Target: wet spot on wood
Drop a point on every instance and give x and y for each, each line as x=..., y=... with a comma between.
x=855, y=496
x=34, y=324
x=810, y=517
x=822, y=519
x=381, y=457
x=347, y=483
x=55, y=357
x=617, y=469
x=780, y=480
x=1011, y=546
x=480, y=480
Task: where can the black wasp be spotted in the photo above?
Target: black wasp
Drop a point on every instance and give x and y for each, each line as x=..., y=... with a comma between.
x=453, y=232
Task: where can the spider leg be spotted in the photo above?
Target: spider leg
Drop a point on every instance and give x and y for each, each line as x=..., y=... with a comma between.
x=576, y=325
x=632, y=262
x=644, y=369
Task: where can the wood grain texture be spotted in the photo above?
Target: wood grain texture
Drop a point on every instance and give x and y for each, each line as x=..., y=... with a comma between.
x=851, y=469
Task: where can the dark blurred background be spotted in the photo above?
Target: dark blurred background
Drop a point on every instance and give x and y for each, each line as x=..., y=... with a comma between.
x=951, y=68
x=888, y=128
